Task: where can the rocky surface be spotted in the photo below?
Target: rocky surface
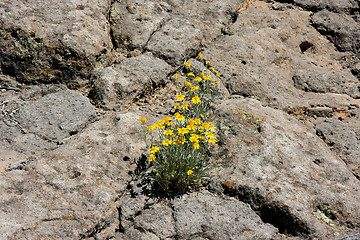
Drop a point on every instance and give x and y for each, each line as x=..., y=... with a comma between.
x=72, y=163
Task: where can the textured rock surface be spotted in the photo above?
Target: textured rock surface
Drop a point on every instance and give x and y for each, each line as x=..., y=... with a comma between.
x=341, y=29
x=348, y=6
x=348, y=148
x=286, y=165
x=59, y=42
x=284, y=171
x=132, y=78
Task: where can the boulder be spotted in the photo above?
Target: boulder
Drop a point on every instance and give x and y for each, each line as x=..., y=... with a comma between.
x=129, y=80
x=62, y=42
x=340, y=29
x=263, y=51
x=72, y=191
x=201, y=215
x=284, y=171
x=343, y=141
x=347, y=6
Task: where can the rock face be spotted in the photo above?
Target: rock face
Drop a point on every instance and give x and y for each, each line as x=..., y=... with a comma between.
x=341, y=29
x=76, y=77
x=57, y=43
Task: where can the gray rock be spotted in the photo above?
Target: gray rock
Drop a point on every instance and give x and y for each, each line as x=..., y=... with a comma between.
x=353, y=237
x=284, y=171
x=177, y=40
x=341, y=29
x=348, y=6
x=264, y=50
x=327, y=81
x=167, y=29
x=320, y=112
x=133, y=77
x=56, y=116
x=343, y=141
x=192, y=216
x=62, y=42
x=72, y=192
x=134, y=22
x=205, y=215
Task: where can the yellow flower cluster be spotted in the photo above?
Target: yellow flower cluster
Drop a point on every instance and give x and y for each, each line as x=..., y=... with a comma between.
x=186, y=136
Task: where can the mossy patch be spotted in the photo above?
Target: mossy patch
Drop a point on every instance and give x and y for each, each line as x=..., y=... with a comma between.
x=324, y=213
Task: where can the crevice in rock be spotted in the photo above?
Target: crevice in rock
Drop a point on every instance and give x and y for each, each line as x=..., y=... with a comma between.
x=272, y=212
x=120, y=228
x=155, y=31
x=95, y=230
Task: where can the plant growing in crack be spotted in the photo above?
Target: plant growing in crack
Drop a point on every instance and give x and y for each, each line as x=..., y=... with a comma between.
x=181, y=158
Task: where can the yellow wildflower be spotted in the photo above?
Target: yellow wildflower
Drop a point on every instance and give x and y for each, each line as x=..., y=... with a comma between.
x=196, y=100
x=212, y=69
x=218, y=75
x=159, y=125
x=185, y=106
x=176, y=75
x=151, y=157
x=150, y=128
x=180, y=97
x=194, y=88
x=194, y=138
x=191, y=121
x=200, y=55
x=212, y=140
x=201, y=129
x=190, y=172
x=202, y=74
x=187, y=84
x=191, y=74
x=197, y=121
x=167, y=142
x=196, y=145
x=176, y=141
x=187, y=64
x=180, y=117
x=216, y=82
x=182, y=140
x=197, y=79
x=143, y=119
x=211, y=127
x=154, y=149
x=207, y=62
x=191, y=127
x=183, y=131
x=176, y=105
x=210, y=135
x=168, y=132
x=206, y=125
x=207, y=77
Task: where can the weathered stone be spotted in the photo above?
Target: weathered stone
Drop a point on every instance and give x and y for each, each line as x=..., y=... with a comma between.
x=129, y=80
x=348, y=6
x=341, y=29
x=343, y=141
x=177, y=40
x=205, y=215
x=134, y=22
x=284, y=171
x=57, y=43
x=56, y=116
x=71, y=192
x=167, y=29
x=320, y=112
x=327, y=81
x=263, y=51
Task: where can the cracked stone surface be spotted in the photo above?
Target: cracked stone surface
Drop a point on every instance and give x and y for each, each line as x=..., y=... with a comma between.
x=76, y=77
